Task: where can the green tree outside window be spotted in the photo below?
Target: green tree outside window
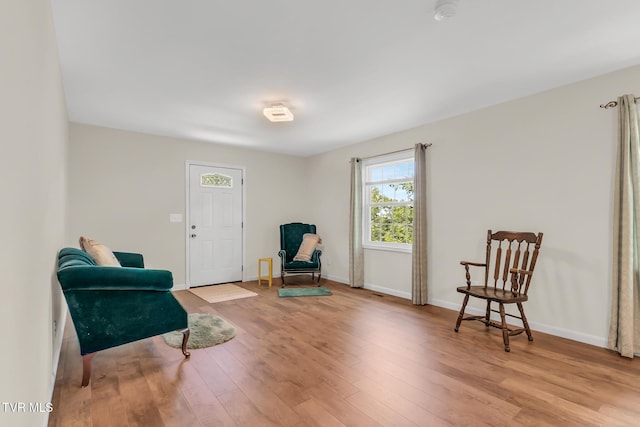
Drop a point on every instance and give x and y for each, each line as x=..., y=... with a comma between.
x=391, y=222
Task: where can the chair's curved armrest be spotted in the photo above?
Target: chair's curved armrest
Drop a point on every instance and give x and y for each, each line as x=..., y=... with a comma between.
x=474, y=264
x=520, y=271
x=315, y=256
x=282, y=254
x=114, y=278
x=466, y=269
x=515, y=283
x=515, y=272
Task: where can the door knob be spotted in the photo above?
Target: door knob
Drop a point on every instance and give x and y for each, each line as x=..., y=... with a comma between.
x=193, y=235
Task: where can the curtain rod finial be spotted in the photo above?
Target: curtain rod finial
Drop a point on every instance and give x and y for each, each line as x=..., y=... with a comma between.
x=609, y=104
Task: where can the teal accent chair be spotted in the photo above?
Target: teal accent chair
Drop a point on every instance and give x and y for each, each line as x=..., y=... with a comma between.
x=290, y=240
x=111, y=306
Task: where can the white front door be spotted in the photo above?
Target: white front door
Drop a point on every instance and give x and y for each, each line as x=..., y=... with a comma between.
x=214, y=225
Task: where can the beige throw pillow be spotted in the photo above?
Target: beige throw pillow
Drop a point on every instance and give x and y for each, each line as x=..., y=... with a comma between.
x=101, y=254
x=308, y=245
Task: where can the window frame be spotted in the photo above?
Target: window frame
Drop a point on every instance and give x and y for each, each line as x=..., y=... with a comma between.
x=214, y=176
x=367, y=243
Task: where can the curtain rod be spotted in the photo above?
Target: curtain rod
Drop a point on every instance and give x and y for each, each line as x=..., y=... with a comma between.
x=612, y=104
x=394, y=152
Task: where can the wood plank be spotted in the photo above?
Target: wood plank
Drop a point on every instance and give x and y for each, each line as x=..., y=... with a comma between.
x=563, y=408
x=164, y=379
x=207, y=408
x=107, y=407
x=140, y=407
x=354, y=358
x=409, y=409
x=257, y=391
x=74, y=402
x=380, y=412
x=317, y=415
x=331, y=400
x=243, y=411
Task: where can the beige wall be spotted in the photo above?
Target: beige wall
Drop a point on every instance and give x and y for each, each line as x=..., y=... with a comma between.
x=541, y=163
x=123, y=186
x=33, y=139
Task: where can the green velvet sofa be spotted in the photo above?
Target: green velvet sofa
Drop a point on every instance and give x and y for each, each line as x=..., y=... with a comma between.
x=111, y=306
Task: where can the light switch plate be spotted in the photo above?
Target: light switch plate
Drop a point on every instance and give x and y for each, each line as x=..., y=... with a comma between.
x=175, y=217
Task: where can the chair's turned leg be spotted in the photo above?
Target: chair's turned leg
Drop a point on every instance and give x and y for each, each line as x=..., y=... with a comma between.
x=282, y=279
x=524, y=321
x=464, y=305
x=86, y=368
x=487, y=316
x=505, y=331
x=185, y=338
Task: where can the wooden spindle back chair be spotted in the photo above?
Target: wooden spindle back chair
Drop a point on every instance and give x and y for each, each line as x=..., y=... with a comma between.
x=514, y=256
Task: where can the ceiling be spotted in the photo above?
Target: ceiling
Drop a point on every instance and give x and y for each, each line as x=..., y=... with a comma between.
x=350, y=70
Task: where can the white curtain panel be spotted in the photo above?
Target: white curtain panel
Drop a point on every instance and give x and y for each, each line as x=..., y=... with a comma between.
x=356, y=252
x=419, y=261
x=624, y=332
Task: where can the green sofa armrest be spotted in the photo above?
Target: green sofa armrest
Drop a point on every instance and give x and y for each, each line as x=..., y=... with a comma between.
x=315, y=256
x=130, y=259
x=114, y=278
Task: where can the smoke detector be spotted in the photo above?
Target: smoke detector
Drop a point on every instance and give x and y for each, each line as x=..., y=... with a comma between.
x=445, y=9
x=278, y=113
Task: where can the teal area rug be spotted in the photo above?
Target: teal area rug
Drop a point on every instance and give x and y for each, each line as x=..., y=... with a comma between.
x=206, y=330
x=303, y=292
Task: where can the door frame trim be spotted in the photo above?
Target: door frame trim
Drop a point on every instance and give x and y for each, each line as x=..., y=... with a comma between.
x=188, y=164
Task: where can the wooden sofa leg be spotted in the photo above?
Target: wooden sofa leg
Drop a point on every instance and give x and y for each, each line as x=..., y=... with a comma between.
x=185, y=338
x=86, y=368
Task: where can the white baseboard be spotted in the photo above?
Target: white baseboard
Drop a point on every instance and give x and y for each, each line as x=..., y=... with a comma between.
x=572, y=335
x=179, y=287
x=57, y=345
x=336, y=279
x=387, y=291
x=536, y=326
x=547, y=329
x=57, y=349
x=375, y=288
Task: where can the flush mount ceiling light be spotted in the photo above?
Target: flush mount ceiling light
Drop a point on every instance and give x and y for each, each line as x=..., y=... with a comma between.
x=445, y=9
x=278, y=113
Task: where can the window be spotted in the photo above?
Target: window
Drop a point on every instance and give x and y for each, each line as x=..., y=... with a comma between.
x=217, y=180
x=388, y=202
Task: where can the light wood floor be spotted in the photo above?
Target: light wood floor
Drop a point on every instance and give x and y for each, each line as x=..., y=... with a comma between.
x=355, y=358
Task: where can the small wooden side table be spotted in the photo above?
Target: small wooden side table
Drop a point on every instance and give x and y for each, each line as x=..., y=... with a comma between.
x=268, y=278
